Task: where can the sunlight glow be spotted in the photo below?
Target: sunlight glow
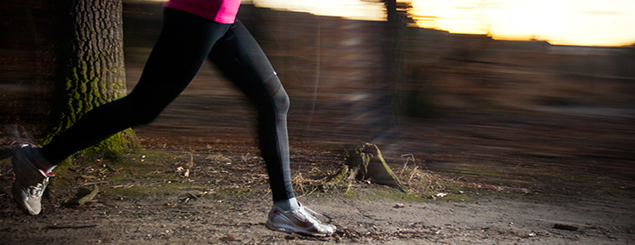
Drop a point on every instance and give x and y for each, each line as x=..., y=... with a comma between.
x=452, y=16
x=579, y=22
x=569, y=22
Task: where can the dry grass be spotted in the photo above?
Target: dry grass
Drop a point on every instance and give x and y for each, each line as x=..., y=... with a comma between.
x=421, y=184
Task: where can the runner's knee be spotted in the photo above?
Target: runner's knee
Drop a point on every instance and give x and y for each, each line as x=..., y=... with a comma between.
x=281, y=101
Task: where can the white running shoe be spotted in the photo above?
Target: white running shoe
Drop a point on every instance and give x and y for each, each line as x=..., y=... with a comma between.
x=297, y=221
x=30, y=181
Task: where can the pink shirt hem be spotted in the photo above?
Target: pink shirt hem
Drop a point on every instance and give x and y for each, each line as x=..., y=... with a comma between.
x=221, y=11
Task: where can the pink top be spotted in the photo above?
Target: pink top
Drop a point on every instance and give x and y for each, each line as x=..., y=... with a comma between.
x=221, y=11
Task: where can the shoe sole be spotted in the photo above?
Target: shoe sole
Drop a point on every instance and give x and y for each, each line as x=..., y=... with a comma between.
x=293, y=230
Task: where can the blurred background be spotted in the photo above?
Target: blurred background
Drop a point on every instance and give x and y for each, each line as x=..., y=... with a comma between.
x=513, y=85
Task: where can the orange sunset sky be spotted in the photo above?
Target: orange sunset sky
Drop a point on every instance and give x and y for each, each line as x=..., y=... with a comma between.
x=565, y=22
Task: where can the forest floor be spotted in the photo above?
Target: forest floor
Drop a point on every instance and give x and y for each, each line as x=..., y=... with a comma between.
x=474, y=178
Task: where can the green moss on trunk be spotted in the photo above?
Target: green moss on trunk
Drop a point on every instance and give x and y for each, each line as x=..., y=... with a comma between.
x=91, y=70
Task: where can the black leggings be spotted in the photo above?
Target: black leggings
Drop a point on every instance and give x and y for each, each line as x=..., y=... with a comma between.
x=185, y=42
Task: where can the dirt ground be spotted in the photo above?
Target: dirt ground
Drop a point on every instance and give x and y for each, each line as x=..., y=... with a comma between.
x=493, y=177
x=169, y=220
x=519, y=178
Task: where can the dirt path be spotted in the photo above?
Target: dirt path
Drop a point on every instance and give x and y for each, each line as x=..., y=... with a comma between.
x=225, y=201
x=170, y=220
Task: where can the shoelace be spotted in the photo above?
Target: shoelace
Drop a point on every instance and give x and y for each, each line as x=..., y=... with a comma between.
x=312, y=213
x=36, y=191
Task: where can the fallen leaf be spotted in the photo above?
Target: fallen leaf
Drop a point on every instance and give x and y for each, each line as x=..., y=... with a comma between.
x=228, y=238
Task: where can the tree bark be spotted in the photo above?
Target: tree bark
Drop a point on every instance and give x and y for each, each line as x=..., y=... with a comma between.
x=91, y=69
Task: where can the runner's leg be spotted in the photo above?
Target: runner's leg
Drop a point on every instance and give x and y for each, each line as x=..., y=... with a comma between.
x=241, y=59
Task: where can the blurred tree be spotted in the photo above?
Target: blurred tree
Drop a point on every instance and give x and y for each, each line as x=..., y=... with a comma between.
x=405, y=93
x=392, y=99
x=89, y=68
x=393, y=53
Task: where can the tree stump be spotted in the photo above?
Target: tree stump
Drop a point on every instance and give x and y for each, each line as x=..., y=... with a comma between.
x=365, y=162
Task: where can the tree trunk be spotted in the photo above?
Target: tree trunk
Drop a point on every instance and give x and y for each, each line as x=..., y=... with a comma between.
x=90, y=67
x=394, y=63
